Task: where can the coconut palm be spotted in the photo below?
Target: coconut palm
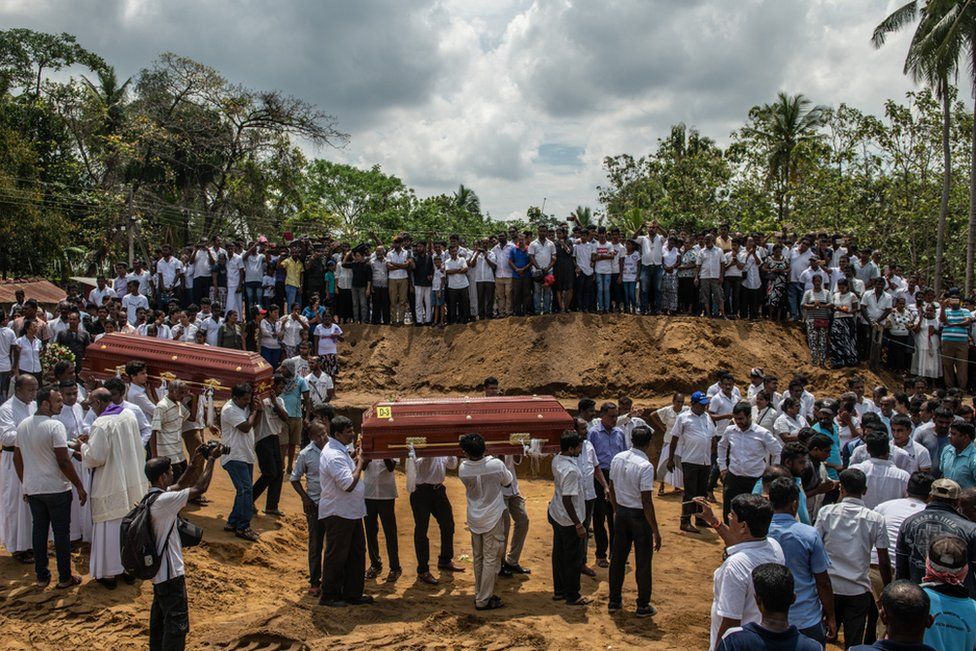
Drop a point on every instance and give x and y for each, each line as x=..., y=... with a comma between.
x=466, y=199
x=583, y=215
x=932, y=59
x=784, y=127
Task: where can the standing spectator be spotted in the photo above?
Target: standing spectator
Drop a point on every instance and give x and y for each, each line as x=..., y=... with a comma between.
x=397, y=262
x=651, y=248
x=293, y=328
x=499, y=257
x=896, y=511
x=927, y=360
x=483, y=478
x=635, y=523
x=458, y=305
x=294, y=269
x=817, y=309
x=777, y=267
x=850, y=531
x=342, y=507
x=709, y=278
x=484, y=280
x=747, y=547
x=953, y=611
x=238, y=418
x=695, y=432
x=567, y=515
x=235, y=279
x=603, y=256
x=381, y=494
x=271, y=334
x=935, y=436
x=564, y=270
x=875, y=306
x=586, y=280
x=203, y=259
x=321, y=389
x=901, y=343
x=955, y=321
x=670, y=265
x=542, y=253
x=798, y=262
x=905, y=612
x=751, y=281
x=843, y=326
x=102, y=291
x=742, y=454
x=361, y=274
x=378, y=288
x=958, y=461
x=230, y=334
x=255, y=265
x=47, y=474
x=608, y=441
x=296, y=401
x=74, y=338
x=733, y=264
x=327, y=336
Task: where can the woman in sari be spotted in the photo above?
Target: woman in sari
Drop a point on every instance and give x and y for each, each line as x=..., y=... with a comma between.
x=843, y=328
x=778, y=269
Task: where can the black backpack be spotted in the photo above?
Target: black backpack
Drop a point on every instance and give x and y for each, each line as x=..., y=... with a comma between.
x=140, y=557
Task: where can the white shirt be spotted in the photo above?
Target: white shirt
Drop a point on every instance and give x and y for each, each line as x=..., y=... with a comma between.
x=319, y=387
x=670, y=257
x=7, y=339
x=747, y=450
x=396, y=257
x=710, y=262
x=30, y=354
x=734, y=596
x=335, y=476
x=482, y=270
x=874, y=305
x=567, y=481
x=695, y=434
x=483, y=481
x=164, y=512
x=432, y=470
x=627, y=423
x=97, y=295
x=379, y=481
x=511, y=489
x=73, y=419
x=849, y=531
x=253, y=267
x=241, y=443
x=721, y=405
x=806, y=277
x=898, y=456
x=131, y=304
x=168, y=269
x=211, y=325
x=651, y=248
x=201, y=261
x=605, y=266
x=187, y=334
x=327, y=345
x=137, y=395
x=583, y=252
x=631, y=474
x=799, y=262
x=766, y=417
x=37, y=438
x=786, y=424
x=895, y=512
x=731, y=269
x=752, y=279
x=500, y=256
x=885, y=481
x=543, y=252
x=235, y=263
x=456, y=281
x=588, y=463
x=292, y=329
x=143, y=278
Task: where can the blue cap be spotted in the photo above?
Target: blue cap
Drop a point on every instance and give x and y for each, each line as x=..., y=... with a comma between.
x=700, y=398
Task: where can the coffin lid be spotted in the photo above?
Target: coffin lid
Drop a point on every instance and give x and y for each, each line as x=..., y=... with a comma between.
x=501, y=412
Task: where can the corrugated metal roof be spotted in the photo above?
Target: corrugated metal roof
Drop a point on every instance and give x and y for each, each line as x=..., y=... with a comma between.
x=40, y=290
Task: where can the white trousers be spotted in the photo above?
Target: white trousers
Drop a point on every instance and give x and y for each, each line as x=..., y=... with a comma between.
x=487, y=550
x=421, y=302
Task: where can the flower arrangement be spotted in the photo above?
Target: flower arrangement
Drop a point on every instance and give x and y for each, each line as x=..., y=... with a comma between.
x=53, y=354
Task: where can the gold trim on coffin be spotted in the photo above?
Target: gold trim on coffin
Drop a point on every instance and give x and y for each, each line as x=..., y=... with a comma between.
x=209, y=383
x=521, y=438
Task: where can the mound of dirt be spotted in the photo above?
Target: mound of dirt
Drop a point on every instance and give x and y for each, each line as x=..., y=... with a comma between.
x=572, y=355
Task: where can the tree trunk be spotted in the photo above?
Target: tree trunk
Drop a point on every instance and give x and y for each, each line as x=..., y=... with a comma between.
x=971, y=241
x=946, y=180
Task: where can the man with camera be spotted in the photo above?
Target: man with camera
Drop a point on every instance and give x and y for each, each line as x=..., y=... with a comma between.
x=169, y=620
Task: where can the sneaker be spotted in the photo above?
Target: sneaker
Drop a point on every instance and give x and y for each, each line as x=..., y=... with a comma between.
x=614, y=606
x=646, y=611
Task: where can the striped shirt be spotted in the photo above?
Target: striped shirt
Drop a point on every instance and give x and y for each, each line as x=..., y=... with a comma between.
x=952, y=330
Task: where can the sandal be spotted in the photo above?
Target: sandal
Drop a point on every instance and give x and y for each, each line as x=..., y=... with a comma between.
x=73, y=581
x=247, y=534
x=492, y=604
x=582, y=601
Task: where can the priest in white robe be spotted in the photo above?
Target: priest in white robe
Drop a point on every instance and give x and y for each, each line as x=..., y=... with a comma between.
x=72, y=416
x=114, y=451
x=15, y=517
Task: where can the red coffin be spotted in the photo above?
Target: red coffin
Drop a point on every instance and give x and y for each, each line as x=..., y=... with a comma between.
x=434, y=427
x=201, y=367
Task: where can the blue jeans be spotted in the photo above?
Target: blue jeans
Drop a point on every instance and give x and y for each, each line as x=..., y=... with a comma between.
x=603, y=292
x=252, y=296
x=542, y=299
x=51, y=511
x=630, y=295
x=650, y=290
x=243, y=509
x=794, y=297
x=271, y=356
x=292, y=295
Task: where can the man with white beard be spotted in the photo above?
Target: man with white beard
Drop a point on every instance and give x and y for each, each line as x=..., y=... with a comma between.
x=115, y=451
x=15, y=517
x=72, y=416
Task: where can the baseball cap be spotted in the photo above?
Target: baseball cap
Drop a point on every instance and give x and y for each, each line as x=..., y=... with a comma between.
x=757, y=372
x=699, y=398
x=945, y=488
x=262, y=311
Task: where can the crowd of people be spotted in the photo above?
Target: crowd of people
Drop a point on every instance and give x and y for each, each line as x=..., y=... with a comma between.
x=856, y=305
x=829, y=507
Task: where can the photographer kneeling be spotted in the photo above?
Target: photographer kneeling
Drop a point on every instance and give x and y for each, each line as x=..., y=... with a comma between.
x=169, y=620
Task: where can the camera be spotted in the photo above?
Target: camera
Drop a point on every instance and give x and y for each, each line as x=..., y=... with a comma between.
x=208, y=448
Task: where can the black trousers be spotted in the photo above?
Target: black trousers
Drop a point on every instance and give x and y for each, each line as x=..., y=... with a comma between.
x=486, y=299
x=733, y=486
x=458, y=305
x=522, y=295
x=381, y=305
x=631, y=528
x=696, y=485
x=316, y=536
x=382, y=510
x=568, y=550
x=344, y=561
x=51, y=512
x=425, y=501
x=751, y=303
x=268, y=452
x=586, y=294
x=169, y=619
x=851, y=612
x=602, y=513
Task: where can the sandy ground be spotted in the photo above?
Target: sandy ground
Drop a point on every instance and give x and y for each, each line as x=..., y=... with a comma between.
x=252, y=596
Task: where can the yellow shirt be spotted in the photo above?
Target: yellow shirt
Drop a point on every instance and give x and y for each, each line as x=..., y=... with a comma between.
x=293, y=272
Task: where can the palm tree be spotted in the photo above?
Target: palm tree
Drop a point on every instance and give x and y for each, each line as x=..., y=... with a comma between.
x=784, y=127
x=466, y=199
x=583, y=215
x=932, y=59
x=110, y=97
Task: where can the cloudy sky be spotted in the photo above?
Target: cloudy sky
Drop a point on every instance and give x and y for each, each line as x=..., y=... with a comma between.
x=518, y=99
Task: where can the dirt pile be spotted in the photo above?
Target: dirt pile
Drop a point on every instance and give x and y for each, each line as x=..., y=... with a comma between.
x=571, y=355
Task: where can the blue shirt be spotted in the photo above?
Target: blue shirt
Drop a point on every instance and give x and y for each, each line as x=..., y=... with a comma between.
x=802, y=514
x=606, y=444
x=520, y=258
x=805, y=556
x=959, y=467
x=955, y=621
x=292, y=396
x=754, y=637
x=952, y=329
x=835, y=456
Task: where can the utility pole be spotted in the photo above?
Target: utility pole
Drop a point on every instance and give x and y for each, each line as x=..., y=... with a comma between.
x=132, y=239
